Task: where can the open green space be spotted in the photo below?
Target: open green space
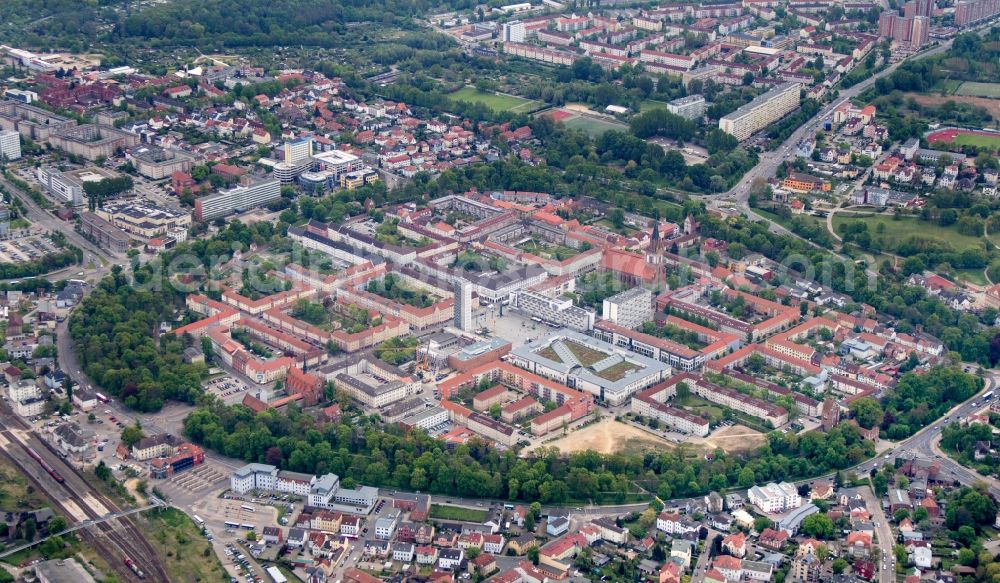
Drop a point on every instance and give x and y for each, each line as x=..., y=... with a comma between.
x=391, y=287
x=548, y=251
x=895, y=231
x=993, y=143
x=651, y=104
x=16, y=494
x=457, y=513
x=701, y=407
x=495, y=101
x=973, y=276
x=184, y=551
x=977, y=89
x=593, y=126
x=948, y=86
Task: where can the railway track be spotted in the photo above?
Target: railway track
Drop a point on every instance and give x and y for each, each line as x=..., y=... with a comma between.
x=118, y=541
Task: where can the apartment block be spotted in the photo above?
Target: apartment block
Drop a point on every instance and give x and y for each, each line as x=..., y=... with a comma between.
x=630, y=308
x=775, y=497
x=762, y=111
x=10, y=145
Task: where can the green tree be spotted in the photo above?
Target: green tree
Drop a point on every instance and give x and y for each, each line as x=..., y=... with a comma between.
x=839, y=565
x=867, y=412
x=132, y=435
x=818, y=526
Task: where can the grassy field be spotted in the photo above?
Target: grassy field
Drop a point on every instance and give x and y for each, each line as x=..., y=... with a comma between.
x=494, y=101
x=897, y=231
x=457, y=513
x=973, y=276
x=15, y=492
x=585, y=354
x=976, y=89
x=650, y=104
x=593, y=126
x=978, y=141
x=701, y=407
x=184, y=551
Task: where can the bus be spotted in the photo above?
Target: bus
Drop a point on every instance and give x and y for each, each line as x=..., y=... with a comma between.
x=248, y=508
x=198, y=520
x=988, y=396
x=101, y=397
x=249, y=526
x=232, y=525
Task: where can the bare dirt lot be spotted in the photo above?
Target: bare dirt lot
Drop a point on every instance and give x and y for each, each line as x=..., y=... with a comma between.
x=991, y=105
x=609, y=436
x=735, y=438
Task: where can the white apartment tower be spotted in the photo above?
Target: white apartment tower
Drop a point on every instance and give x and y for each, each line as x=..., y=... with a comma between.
x=10, y=145
x=513, y=32
x=463, y=305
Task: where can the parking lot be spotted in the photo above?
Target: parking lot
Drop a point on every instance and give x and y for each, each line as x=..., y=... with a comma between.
x=225, y=387
x=25, y=249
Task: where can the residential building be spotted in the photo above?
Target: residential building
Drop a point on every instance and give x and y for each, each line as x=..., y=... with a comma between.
x=10, y=145
x=775, y=497
x=762, y=111
x=157, y=163
x=630, y=308
x=691, y=107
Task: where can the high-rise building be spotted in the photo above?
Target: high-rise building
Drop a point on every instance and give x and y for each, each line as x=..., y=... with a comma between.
x=513, y=32
x=10, y=145
x=908, y=31
x=919, y=8
x=762, y=111
x=972, y=11
x=298, y=150
x=463, y=305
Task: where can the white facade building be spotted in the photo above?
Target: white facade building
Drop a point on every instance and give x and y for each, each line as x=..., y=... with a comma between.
x=10, y=145
x=630, y=308
x=775, y=497
x=254, y=477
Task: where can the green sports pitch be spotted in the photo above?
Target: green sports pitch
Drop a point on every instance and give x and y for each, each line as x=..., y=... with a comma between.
x=495, y=101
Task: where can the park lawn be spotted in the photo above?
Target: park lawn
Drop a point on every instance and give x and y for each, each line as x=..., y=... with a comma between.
x=595, y=127
x=977, y=89
x=183, y=549
x=898, y=230
x=457, y=513
x=495, y=101
x=702, y=407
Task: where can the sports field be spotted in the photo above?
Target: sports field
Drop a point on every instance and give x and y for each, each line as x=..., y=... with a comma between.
x=959, y=137
x=649, y=104
x=495, y=101
x=976, y=89
x=593, y=126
